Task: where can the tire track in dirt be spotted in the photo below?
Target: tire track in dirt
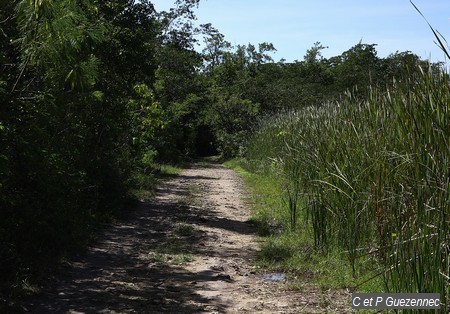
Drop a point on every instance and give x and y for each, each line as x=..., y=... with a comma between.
x=189, y=250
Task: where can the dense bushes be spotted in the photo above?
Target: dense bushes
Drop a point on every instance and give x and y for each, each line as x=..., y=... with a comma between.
x=67, y=123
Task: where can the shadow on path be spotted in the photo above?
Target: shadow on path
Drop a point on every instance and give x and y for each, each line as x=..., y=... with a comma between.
x=124, y=273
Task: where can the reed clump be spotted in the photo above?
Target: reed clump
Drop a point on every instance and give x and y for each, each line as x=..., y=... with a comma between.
x=371, y=177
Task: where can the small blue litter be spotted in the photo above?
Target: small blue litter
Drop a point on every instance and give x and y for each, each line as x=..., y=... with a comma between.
x=274, y=277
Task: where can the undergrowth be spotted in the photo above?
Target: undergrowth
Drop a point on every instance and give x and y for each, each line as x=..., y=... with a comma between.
x=289, y=250
x=366, y=180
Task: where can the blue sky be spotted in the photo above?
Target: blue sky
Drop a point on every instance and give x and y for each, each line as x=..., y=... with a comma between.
x=293, y=26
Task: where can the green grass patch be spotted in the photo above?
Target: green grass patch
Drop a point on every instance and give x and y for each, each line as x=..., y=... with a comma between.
x=183, y=229
x=191, y=197
x=265, y=199
x=293, y=250
x=165, y=170
x=171, y=259
x=179, y=246
x=143, y=181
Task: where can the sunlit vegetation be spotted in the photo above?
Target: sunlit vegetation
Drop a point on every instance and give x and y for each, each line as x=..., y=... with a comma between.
x=99, y=98
x=370, y=176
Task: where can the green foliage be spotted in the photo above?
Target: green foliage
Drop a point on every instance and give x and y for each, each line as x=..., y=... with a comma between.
x=374, y=175
x=230, y=118
x=68, y=116
x=57, y=39
x=95, y=94
x=147, y=119
x=357, y=67
x=292, y=250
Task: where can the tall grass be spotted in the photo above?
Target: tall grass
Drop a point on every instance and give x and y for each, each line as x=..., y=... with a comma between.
x=374, y=175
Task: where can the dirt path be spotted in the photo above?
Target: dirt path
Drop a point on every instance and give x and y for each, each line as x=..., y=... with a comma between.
x=190, y=250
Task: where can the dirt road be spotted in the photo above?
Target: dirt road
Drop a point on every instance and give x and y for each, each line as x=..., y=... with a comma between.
x=189, y=250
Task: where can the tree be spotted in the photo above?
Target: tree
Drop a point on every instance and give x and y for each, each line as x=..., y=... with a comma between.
x=216, y=47
x=313, y=54
x=231, y=119
x=357, y=67
x=178, y=85
x=399, y=65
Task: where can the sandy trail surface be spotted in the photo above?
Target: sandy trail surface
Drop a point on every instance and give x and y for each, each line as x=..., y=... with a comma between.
x=189, y=250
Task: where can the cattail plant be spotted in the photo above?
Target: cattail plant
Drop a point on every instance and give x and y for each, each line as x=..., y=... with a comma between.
x=372, y=177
